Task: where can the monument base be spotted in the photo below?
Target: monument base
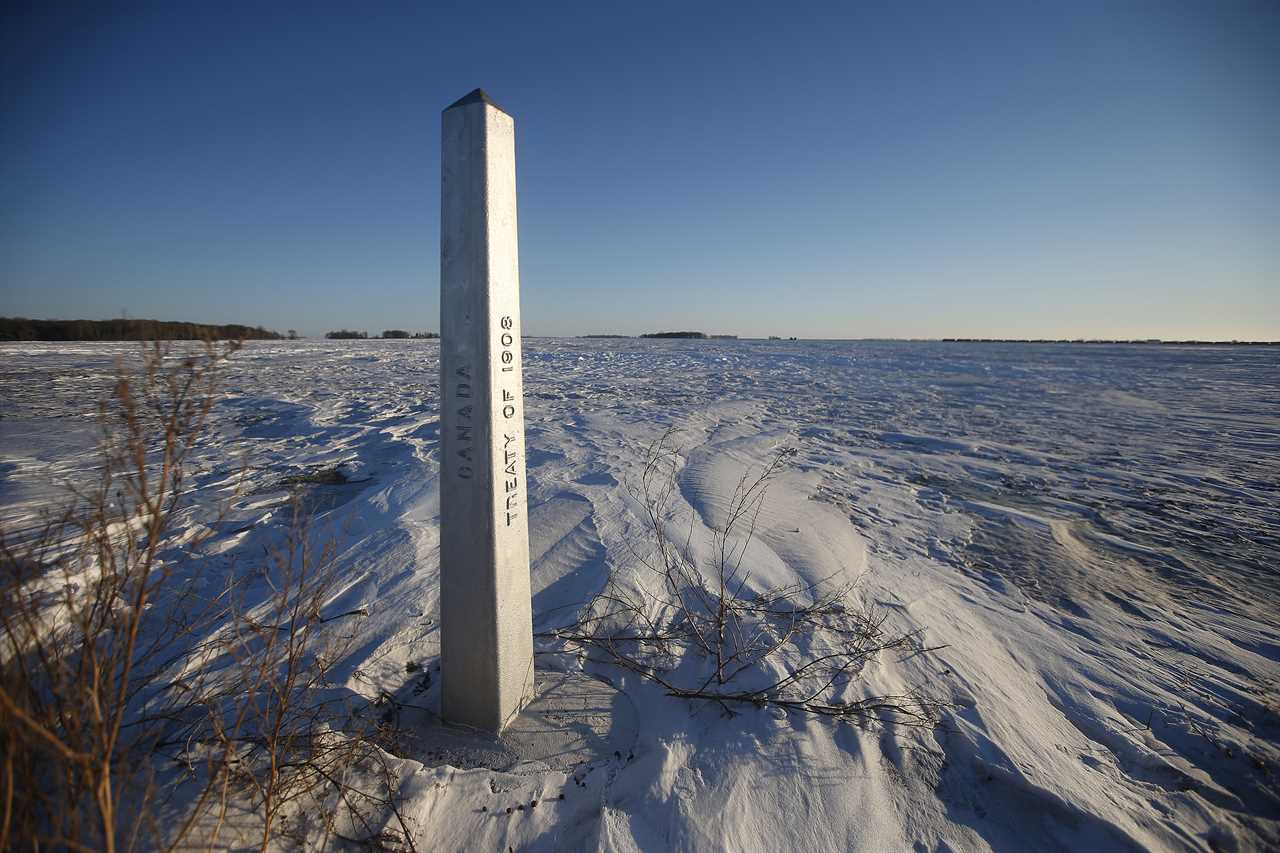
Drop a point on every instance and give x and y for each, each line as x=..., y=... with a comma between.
x=573, y=719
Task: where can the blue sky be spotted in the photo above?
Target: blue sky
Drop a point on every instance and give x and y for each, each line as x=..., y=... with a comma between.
x=819, y=170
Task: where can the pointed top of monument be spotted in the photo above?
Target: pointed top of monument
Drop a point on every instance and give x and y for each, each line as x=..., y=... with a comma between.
x=475, y=96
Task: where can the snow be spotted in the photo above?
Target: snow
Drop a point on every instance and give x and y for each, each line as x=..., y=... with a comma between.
x=1089, y=533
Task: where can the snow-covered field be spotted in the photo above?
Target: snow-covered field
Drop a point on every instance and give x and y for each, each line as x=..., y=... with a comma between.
x=1091, y=534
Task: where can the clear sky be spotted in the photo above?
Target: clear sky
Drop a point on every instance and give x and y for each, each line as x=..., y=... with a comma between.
x=813, y=169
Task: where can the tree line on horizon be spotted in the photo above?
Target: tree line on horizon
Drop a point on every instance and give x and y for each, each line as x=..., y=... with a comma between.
x=24, y=329
x=389, y=334
x=693, y=335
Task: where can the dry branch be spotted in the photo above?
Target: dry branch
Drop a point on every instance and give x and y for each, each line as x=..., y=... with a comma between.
x=800, y=648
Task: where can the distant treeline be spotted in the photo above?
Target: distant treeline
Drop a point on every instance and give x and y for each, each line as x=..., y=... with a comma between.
x=401, y=333
x=22, y=329
x=697, y=335
x=389, y=334
x=1148, y=341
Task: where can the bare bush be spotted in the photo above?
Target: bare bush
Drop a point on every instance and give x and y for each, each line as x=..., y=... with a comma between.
x=73, y=604
x=140, y=710
x=800, y=647
x=281, y=744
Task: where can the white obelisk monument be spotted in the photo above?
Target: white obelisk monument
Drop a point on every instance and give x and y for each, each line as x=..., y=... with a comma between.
x=486, y=646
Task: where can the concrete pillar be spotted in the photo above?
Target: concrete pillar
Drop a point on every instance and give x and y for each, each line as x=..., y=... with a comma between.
x=486, y=647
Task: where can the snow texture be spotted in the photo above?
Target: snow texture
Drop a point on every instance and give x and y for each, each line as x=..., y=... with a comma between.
x=1089, y=533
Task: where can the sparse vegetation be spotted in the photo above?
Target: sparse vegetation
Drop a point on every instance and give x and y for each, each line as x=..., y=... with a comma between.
x=74, y=650
x=798, y=648
x=143, y=708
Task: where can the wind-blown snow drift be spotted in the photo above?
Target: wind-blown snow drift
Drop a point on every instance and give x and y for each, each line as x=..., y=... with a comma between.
x=1090, y=534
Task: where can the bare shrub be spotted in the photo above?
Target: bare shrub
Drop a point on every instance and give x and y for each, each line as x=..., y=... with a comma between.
x=800, y=647
x=139, y=710
x=74, y=601
x=282, y=746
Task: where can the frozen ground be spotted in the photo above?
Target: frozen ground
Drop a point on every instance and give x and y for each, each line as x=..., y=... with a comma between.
x=1091, y=532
